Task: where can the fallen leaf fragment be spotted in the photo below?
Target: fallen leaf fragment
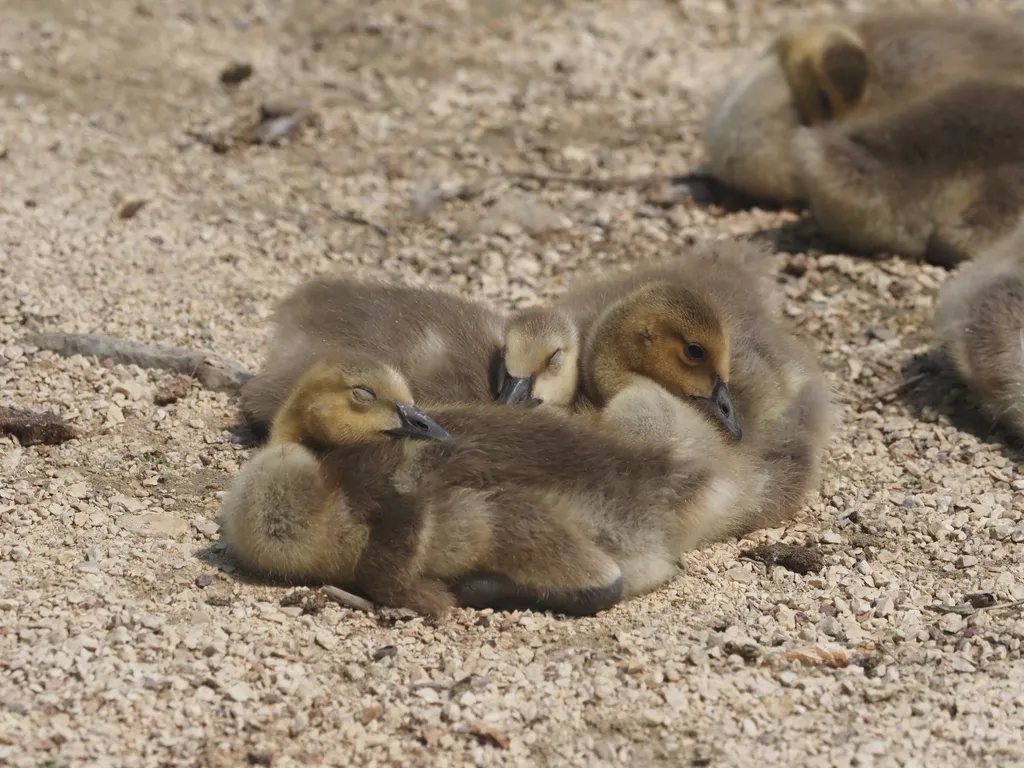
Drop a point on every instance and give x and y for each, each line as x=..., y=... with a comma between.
x=488, y=735
x=130, y=208
x=172, y=390
x=813, y=655
x=236, y=72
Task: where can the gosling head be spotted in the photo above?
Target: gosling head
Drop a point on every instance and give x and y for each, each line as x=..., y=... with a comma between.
x=827, y=67
x=336, y=403
x=672, y=335
x=538, y=364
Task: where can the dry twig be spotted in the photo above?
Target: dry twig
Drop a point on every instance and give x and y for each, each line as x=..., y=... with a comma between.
x=212, y=372
x=354, y=218
x=485, y=734
x=975, y=605
x=347, y=599
x=908, y=383
x=593, y=182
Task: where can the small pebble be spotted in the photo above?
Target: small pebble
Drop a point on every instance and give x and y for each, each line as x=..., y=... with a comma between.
x=239, y=692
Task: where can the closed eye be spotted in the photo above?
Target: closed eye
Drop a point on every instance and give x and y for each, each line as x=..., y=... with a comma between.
x=363, y=395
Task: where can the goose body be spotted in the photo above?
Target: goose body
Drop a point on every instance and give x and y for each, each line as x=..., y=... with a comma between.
x=979, y=318
x=941, y=178
x=516, y=507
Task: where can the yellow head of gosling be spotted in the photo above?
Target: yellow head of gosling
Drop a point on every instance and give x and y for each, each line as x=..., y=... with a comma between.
x=538, y=365
x=344, y=402
x=671, y=334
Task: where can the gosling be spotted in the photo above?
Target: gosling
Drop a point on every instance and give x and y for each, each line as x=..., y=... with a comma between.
x=979, y=318
x=851, y=65
x=748, y=132
x=940, y=179
x=514, y=507
x=448, y=349
x=706, y=325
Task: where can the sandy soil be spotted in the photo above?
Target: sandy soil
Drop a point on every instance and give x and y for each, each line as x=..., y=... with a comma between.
x=125, y=637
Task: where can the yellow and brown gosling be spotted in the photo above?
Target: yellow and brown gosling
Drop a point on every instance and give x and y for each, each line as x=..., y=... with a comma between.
x=347, y=401
x=444, y=346
x=540, y=359
x=521, y=507
x=840, y=66
x=448, y=349
x=717, y=295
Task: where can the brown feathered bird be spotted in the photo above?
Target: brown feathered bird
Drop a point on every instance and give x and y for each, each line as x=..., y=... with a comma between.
x=941, y=178
x=508, y=508
x=852, y=64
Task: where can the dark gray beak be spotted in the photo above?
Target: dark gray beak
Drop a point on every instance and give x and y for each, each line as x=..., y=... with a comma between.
x=416, y=424
x=722, y=408
x=516, y=391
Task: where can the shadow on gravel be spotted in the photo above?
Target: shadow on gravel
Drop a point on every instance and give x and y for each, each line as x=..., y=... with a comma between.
x=800, y=237
x=707, y=192
x=929, y=382
x=216, y=558
x=306, y=594
x=245, y=436
x=222, y=559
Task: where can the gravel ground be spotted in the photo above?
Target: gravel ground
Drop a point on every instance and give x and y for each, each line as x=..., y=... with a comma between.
x=126, y=638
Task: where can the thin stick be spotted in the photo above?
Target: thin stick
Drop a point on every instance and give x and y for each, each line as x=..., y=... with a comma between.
x=903, y=386
x=212, y=372
x=591, y=181
x=966, y=609
x=354, y=218
x=347, y=599
x=35, y=428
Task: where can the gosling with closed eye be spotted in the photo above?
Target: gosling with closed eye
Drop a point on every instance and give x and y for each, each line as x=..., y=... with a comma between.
x=707, y=326
x=518, y=508
x=540, y=358
x=444, y=346
x=447, y=348
x=637, y=325
x=376, y=399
